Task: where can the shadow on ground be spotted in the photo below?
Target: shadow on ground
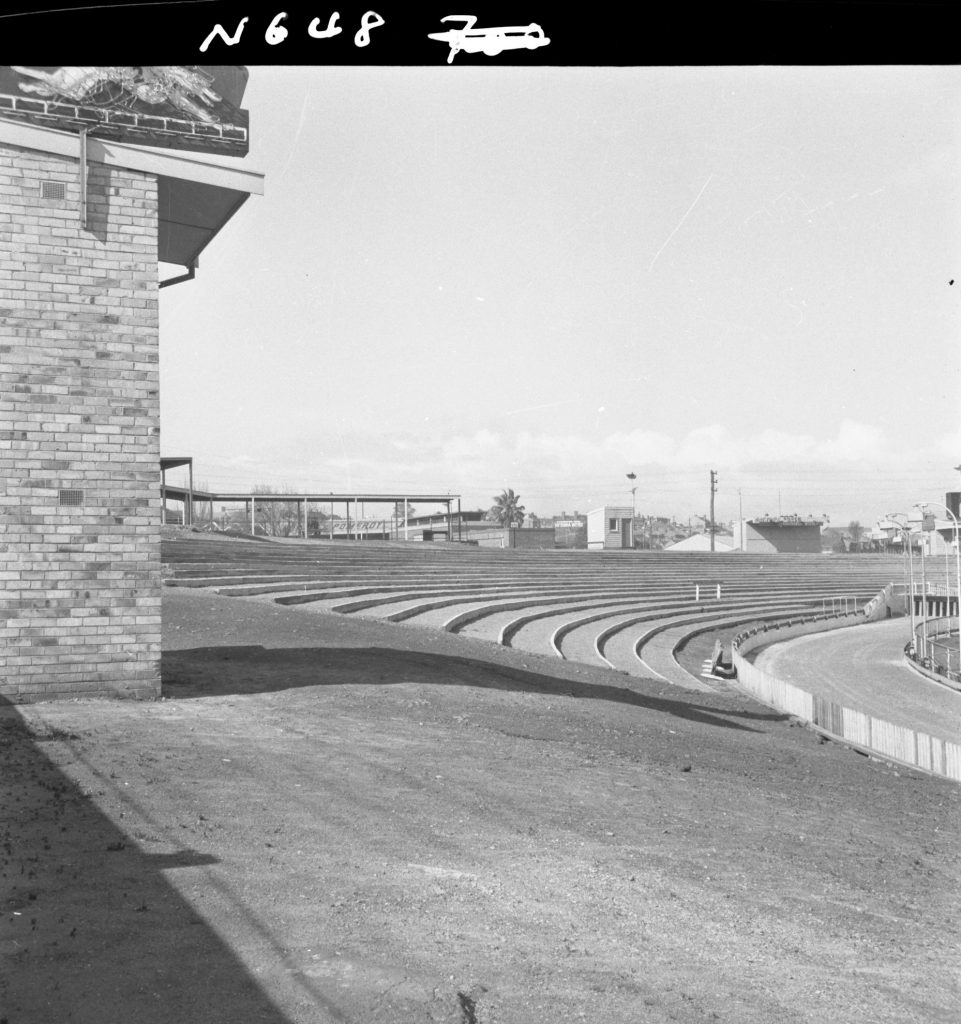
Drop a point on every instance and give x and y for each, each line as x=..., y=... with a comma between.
x=249, y=669
x=90, y=928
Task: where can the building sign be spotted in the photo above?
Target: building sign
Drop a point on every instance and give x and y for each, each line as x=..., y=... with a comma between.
x=173, y=106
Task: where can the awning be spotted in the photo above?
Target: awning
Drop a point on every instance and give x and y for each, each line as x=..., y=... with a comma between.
x=191, y=214
x=196, y=197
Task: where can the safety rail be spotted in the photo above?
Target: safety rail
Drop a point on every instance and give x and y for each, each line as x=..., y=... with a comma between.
x=929, y=652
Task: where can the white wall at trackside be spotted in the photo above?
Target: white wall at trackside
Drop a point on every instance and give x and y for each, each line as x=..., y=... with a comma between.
x=874, y=735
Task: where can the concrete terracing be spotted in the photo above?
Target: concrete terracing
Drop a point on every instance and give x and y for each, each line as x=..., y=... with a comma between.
x=627, y=611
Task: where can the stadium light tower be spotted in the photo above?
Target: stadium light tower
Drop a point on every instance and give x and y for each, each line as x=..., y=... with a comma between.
x=632, y=477
x=957, y=558
x=906, y=539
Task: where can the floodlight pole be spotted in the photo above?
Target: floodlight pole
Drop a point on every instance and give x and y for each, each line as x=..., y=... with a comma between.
x=957, y=559
x=906, y=538
x=924, y=598
x=713, y=492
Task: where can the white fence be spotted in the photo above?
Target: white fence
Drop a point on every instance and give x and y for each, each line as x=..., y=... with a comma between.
x=874, y=735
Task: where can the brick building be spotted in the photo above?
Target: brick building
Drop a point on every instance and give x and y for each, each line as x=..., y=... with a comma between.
x=81, y=232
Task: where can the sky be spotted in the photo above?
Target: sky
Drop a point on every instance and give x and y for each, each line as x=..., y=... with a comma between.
x=464, y=279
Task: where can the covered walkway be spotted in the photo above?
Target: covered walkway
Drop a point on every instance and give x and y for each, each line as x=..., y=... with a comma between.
x=198, y=505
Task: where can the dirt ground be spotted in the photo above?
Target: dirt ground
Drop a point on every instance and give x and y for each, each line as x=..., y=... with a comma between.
x=332, y=820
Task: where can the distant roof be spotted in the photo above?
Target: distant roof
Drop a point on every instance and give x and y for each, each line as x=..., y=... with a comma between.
x=318, y=497
x=702, y=542
x=790, y=520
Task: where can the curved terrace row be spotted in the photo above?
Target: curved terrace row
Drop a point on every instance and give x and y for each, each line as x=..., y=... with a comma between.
x=627, y=611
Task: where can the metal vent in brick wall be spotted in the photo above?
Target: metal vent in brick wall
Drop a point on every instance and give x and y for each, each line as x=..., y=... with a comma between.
x=71, y=497
x=52, y=190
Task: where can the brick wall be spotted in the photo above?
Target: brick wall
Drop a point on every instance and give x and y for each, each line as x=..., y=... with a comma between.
x=79, y=412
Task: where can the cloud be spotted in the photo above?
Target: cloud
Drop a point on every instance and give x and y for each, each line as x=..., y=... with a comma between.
x=779, y=446
x=855, y=442
x=859, y=471
x=948, y=446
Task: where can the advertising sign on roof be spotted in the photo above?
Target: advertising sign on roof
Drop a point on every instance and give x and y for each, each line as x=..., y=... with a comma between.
x=172, y=106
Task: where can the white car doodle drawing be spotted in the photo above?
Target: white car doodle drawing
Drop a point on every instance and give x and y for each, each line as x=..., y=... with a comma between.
x=490, y=41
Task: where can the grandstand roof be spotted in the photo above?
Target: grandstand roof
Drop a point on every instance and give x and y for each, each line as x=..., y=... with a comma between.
x=315, y=496
x=787, y=520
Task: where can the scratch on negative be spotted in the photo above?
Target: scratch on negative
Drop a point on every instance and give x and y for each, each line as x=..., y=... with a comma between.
x=300, y=124
x=680, y=222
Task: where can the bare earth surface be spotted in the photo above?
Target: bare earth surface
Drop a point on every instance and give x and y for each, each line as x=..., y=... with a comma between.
x=331, y=820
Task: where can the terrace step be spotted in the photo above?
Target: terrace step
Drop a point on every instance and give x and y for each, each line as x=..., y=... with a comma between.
x=584, y=606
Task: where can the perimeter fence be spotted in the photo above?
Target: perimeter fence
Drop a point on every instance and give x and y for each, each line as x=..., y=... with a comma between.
x=935, y=647
x=857, y=728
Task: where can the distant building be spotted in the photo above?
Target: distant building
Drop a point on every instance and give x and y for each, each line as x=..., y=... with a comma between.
x=610, y=527
x=458, y=526
x=570, y=531
x=656, y=533
x=780, y=534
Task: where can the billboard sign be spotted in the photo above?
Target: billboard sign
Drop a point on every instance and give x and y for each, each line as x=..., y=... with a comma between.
x=172, y=106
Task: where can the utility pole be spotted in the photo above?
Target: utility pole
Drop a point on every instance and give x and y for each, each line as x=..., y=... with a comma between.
x=740, y=519
x=713, y=492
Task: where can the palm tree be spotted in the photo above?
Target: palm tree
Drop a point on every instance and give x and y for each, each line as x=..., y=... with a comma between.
x=507, y=509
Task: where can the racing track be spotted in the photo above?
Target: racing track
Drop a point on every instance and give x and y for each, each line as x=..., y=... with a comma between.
x=864, y=668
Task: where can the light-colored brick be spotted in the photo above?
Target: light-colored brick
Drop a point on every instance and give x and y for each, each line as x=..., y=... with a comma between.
x=80, y=607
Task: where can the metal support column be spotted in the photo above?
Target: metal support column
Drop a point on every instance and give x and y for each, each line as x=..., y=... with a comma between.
x=189, y=503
